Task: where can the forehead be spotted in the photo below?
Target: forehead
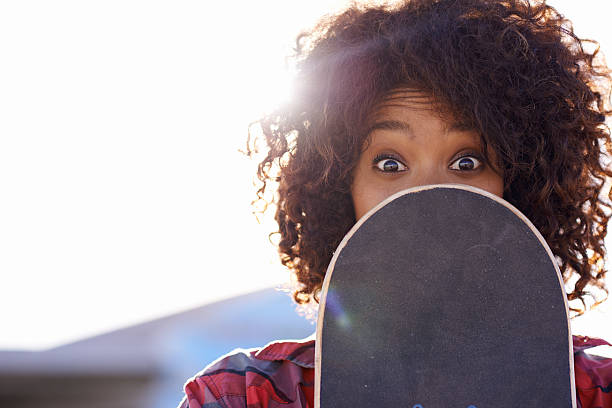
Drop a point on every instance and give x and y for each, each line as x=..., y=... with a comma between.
x=403, y=109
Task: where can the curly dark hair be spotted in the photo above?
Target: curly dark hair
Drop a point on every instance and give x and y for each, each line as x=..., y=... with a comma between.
x=512, y=70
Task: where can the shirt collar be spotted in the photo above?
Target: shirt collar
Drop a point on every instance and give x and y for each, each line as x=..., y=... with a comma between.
x=299, y=352
x=584, y=342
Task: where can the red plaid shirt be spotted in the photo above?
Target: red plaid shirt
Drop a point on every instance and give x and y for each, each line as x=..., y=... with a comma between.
x=282, y=374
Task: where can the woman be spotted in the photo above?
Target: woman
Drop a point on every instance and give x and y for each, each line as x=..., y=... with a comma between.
x=499, y=95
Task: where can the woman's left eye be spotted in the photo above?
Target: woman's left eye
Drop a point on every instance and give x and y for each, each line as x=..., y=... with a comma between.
x=466, y=163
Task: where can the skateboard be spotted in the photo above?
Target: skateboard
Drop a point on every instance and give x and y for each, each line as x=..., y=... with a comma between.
x=443, y=296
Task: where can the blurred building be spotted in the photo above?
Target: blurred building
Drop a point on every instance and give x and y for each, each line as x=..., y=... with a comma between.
x=146, y=365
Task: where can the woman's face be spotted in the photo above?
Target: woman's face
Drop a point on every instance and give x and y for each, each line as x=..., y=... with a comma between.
x=409, y=146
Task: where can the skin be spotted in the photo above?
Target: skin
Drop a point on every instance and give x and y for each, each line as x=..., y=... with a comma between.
x=410, y=145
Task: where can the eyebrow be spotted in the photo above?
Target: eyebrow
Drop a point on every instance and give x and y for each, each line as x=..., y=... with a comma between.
x=405, y=126
x=390, y=125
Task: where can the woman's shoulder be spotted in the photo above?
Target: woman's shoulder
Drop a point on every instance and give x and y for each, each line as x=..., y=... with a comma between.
x=593, y=371
x=282, y=370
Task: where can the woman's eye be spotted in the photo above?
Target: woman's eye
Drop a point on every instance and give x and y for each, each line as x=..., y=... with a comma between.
x=389, y=165
x=466, y=163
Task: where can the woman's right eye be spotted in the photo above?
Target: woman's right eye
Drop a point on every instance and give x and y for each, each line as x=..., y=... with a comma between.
x=389, y=165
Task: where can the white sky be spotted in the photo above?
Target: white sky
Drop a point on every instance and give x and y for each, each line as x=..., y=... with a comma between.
x=122, y=194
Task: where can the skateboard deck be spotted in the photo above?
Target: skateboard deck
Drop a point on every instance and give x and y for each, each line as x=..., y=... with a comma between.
x=443, y=296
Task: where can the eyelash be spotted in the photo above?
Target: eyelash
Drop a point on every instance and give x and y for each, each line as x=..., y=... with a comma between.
x=387, y=156
x=473, y=155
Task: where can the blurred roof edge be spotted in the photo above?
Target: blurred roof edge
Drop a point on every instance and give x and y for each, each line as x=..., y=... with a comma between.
x=137, y=349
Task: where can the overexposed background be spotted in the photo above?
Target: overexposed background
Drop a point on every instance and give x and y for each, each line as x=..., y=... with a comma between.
x=123, y=196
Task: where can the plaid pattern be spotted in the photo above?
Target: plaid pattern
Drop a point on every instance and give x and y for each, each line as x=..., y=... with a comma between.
x=593, y=374
x=282, y=375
